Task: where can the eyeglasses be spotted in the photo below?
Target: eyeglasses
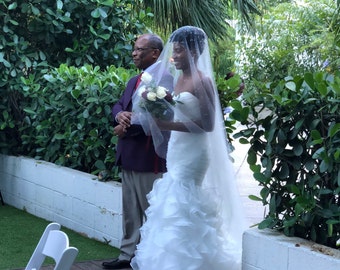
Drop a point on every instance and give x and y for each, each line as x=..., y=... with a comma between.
x=137, y=49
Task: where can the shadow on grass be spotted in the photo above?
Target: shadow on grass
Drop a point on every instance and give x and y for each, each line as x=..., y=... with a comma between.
x=20, y=233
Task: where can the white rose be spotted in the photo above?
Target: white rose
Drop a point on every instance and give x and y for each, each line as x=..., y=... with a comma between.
x=151, y=96
x=161, y=92
x=146, y=78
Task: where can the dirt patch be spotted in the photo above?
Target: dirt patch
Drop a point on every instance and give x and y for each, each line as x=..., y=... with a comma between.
x=320, y=248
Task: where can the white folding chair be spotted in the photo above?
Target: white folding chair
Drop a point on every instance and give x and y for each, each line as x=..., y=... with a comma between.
x=55, y=244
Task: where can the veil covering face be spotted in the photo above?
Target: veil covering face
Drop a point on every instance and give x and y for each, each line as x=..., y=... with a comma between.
x=186, y=57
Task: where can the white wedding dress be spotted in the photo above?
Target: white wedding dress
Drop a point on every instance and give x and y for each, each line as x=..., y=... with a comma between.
x=182, y=227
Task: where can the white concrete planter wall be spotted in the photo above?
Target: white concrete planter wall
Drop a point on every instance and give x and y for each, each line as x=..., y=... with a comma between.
x=74, y=199
x=270, y=250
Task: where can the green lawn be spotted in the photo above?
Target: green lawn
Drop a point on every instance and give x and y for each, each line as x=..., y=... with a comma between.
x=20, y=233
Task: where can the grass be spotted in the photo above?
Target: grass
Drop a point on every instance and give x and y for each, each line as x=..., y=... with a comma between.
x=20, y=233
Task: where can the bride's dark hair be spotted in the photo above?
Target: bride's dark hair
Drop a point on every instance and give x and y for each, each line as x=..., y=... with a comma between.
x=190, y=37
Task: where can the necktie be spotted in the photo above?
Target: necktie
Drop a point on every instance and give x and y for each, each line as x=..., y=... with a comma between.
x=138, y=80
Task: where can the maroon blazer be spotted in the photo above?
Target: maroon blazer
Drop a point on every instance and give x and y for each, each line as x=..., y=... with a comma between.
x=135, y=151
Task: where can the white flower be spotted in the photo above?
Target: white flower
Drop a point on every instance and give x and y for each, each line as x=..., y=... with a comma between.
x=146, y=78
x=152, y=96
x=161, y=92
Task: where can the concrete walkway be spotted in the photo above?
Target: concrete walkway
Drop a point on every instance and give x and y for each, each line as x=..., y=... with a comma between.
x=247, y=185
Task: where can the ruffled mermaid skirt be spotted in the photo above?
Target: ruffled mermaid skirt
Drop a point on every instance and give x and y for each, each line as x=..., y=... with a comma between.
x=181, y=231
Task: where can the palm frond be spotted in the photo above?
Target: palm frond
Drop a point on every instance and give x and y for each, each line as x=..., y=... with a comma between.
x=246, y=9
x=210, y=15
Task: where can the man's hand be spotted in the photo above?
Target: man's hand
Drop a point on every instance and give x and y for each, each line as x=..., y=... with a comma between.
x=124, y=119
x=119, y=131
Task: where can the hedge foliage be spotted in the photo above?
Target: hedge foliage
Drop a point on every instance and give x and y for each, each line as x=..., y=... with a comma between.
x=293, y=128
x=38, y=33
x=37, y=36
x=67, y=116
x=68, y=121
x=63, y=65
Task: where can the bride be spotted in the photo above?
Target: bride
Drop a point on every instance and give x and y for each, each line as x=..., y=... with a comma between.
x=195, y=220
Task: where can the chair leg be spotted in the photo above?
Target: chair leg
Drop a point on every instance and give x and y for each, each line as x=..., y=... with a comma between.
x=1, y=199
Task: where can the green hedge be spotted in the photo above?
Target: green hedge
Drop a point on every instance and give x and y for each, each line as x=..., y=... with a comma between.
x=37, y=33
x=66, y=116
x=58, y=78
x=37, y=36
x=293, y=128
x=68, y=120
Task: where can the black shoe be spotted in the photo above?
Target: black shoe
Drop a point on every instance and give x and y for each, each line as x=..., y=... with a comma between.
x=116, y=264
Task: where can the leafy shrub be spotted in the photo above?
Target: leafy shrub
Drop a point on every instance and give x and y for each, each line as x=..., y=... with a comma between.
x=75, y=32
x=38, y=35
x=293, y=128
x=67, y=116
x=229, y=88
x=291, y=38
x=68, y=121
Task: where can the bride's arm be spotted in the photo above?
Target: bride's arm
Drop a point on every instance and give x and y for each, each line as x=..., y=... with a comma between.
x=206, y=99
x=205, y=94
x=172, y=125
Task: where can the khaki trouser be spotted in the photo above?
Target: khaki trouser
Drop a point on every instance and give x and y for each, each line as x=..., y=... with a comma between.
x=135, y=187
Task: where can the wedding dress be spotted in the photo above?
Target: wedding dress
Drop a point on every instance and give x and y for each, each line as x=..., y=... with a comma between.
x=182, y=227
x=195, y=220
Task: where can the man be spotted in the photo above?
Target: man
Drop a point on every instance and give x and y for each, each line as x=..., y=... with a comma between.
x=135, y=154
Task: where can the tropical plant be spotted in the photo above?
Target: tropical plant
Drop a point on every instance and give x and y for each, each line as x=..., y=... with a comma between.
x=291, y=39
x=293, y=128
x=229, y=88
x=210, y=15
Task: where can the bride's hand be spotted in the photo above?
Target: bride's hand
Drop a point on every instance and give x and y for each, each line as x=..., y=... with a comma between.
x=166, y=125
x=162, y=124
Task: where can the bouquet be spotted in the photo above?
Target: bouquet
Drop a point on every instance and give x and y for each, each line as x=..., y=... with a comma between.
x=155, y=99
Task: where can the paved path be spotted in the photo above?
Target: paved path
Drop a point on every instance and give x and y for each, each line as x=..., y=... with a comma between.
x=247, y=185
